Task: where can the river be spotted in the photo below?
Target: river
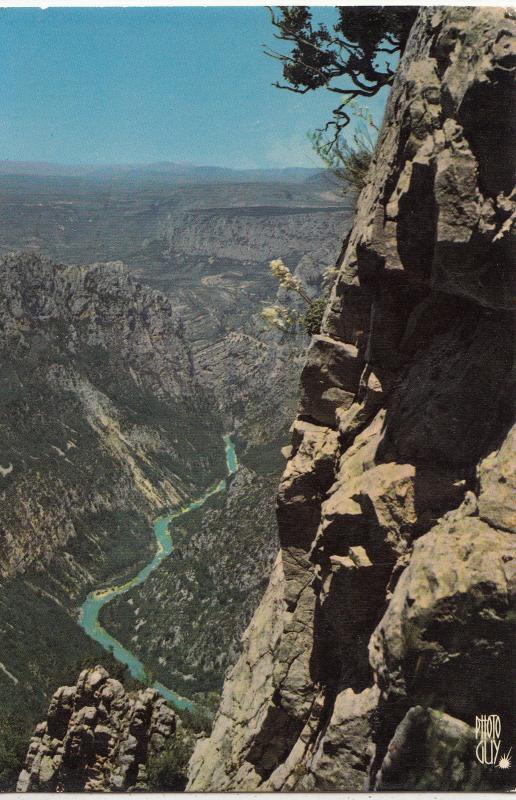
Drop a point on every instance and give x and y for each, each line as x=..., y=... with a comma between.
x=90, y=609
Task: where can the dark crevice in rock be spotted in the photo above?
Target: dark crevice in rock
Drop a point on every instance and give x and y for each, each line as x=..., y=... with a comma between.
x=441, y=48
x=388, y=716
x=483, y=108
x=277, y=736
x=417, y=223
x=311, y=420
x=437, y=416
x=391, y=309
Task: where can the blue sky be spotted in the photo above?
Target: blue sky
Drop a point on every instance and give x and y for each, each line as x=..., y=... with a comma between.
x=114, y=85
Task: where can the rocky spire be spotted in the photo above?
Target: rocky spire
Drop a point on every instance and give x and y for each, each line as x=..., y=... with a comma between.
x=97, y=737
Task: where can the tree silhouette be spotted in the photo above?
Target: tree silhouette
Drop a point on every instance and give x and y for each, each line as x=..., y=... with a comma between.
x=352, y=59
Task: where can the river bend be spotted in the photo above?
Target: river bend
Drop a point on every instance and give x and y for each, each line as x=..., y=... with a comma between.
x=90, y=609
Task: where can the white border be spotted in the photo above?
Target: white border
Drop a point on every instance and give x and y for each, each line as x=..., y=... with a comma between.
x=248, y=795
x=254, y=795
x=216, y=3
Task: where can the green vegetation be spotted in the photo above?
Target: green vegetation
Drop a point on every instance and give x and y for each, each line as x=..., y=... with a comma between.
x=352, y=59
x=290, y=320
x=312, y=319
x=15, y=731
x=348, y=160
x=185, y=622
x=127, y=543
x=199, y=719
x=266, y=459
x=197, y=457
x=167, y=772
x=106, y=660
x=42, y=646
x=355, y=58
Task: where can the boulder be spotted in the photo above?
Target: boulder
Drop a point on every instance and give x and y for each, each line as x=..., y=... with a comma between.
x=446, y=637
x=428, y=751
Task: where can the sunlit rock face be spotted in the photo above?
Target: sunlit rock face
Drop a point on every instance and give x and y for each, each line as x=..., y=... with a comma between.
x=388, y=622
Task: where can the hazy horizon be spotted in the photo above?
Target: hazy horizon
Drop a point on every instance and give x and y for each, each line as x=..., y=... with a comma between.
x=168, y=162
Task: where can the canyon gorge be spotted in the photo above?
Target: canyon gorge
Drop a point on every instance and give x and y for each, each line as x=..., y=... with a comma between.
x=347, y=630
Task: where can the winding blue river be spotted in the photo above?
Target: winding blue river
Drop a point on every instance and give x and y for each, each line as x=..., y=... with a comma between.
x=89, y=616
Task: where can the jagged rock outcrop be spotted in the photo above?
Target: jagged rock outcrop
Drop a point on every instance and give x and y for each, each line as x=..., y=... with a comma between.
x=388, y=624
x=97, y=737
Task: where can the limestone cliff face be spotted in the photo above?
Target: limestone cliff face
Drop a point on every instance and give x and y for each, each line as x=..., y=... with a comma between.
x=93, y=365
x=387, y=624
x=102, y=426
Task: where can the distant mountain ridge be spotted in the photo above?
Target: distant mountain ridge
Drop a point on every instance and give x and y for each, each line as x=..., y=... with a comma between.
x=166, y=170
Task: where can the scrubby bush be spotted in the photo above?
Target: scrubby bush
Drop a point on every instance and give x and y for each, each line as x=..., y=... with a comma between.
x=348, y=162
x=14, y=742
x=348, y=156
x=167, y=771
x=290, y=320
x=197, y=719
x=353, y=58
x=312, y=318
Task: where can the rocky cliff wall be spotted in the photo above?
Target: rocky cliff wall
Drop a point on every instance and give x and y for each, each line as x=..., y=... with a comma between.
x=387, y=625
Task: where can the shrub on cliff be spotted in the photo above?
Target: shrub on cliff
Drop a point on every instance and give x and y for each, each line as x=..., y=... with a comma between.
x=348, y=157
x=14, y=739
x=290, y=320
x=198, y=719
x=167, y=771
x=312, y=318
x=354, y=58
